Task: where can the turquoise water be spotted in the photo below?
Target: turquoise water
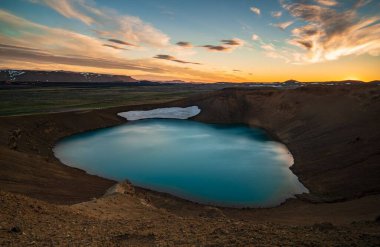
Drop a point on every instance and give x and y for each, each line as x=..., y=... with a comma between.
x=225, y=165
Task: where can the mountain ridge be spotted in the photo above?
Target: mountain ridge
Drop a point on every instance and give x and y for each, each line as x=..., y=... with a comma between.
x=15, y=76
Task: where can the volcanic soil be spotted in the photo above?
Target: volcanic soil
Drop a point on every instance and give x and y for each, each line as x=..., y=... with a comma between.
x=332, y=133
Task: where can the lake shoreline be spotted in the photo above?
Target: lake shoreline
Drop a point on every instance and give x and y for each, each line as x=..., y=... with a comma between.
x=160, y=154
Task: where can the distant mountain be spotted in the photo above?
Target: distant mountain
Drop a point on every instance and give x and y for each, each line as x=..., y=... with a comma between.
x=19, y=76
x=351, y=82
x=337, y=83
x=175, y=82
x=377, y=82
x=291, y=82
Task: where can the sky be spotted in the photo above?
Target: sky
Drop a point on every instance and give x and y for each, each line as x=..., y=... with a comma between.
x=197, y=40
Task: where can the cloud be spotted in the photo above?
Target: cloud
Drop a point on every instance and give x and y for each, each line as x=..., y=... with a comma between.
x=134, y=29
x=217, y=47
x=255, y=37
x=120, y=42
x=330, y=33
x=18, y=53
x=171, y=58
x=115, y=47
x=272, y=51
x=303, y=43
x=233, y=42
x=276, y=14
x=25, y=41
x=17, y=57
x=283, y=25
x=19, y=31
x=268, y=47
x=361, y=3
x=327, y=2
x=184, y=44
x=67, y=9
x=108, y=22
x=28, y=45
x=226, y=46
x=255, y=10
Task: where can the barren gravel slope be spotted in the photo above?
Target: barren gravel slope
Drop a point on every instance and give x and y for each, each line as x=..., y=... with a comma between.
x=130, y=222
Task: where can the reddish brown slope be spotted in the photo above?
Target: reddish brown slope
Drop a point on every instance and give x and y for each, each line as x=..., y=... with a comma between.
x=333, y=133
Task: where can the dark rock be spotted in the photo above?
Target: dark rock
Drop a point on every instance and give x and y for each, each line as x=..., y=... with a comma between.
x=14, y=136
x=124, y=187
x=15, y=229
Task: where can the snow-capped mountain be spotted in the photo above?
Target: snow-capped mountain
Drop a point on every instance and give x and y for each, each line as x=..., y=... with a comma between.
x=59, y=76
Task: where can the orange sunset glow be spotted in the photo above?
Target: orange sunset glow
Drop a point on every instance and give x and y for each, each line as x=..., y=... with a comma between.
x=244, y=41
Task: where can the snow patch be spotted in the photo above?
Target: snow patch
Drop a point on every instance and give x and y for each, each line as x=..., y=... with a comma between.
x=171, y=112
x=15, y=73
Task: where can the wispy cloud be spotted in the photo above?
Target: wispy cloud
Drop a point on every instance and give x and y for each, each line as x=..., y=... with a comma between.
x=233, y=42
x=217, y=47
x=276, y=14
x=226, y=46
x=120, y=42
x=108, y=22
x=268, y=47
x=23, y=54
x=67, y=9
x=115, y=47
x=361, y=3
x=29, y=34
x=283, y=25
x=255, y=37
x=38, y=44
x=330, y=33
x=271, y=51
x=255, y=10
x=174, y=59
x=184, y=44
x=327, y=2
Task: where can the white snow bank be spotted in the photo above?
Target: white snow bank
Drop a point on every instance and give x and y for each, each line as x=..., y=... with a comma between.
x=171, y=112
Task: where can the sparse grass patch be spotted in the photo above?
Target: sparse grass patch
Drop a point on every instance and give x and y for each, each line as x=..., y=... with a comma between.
x=32, y=100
